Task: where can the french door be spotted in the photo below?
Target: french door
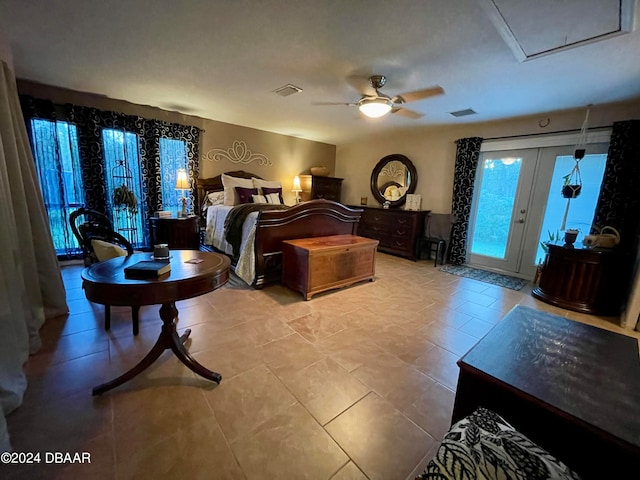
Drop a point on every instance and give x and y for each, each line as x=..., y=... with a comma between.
x=518, y=205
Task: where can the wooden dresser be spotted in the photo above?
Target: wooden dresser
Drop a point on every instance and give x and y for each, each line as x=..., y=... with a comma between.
x=313, y=186
x=398, y=231
x=313, y=265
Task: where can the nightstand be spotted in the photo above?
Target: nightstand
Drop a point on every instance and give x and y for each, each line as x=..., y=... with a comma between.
x=178, y=233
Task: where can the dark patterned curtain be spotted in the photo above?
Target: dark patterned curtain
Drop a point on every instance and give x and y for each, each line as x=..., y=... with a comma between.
x=619, y=201
x=91, y=123
x=467, y=155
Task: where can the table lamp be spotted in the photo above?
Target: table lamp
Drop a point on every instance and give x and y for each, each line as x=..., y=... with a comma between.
x=297, y=188
x=182, y=183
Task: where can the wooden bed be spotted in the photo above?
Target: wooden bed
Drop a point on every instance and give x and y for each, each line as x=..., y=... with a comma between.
x=315, y=218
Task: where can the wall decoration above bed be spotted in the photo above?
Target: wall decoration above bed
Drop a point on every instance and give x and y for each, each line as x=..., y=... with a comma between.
x=238, y=153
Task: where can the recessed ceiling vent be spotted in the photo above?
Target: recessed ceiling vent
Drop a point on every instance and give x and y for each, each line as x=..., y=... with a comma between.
x=287, y=90
x=463, y=113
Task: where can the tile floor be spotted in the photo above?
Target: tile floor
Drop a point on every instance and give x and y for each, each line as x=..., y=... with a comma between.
x=355, y=384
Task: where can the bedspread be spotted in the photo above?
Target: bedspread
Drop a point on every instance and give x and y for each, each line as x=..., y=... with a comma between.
x=244, y=263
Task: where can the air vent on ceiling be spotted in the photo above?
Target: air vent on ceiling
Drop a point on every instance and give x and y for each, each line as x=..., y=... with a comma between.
x=463, y=113
x=287, y=90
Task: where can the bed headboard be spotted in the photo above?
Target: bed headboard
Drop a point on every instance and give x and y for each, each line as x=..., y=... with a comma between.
x=214, y=184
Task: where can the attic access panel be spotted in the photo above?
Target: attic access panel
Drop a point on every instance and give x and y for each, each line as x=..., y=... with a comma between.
x=532, y=29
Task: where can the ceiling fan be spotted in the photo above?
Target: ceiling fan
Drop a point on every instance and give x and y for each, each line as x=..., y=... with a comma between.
x=379, y=104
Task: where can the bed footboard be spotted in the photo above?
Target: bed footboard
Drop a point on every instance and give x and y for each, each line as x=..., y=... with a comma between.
x=315, y=218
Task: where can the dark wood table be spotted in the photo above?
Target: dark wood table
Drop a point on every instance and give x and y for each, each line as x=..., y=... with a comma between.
x=588, y=280
x=572, y=388
x=105, y=283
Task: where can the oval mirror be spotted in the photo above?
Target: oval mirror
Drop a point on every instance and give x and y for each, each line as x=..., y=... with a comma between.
x=393, y=177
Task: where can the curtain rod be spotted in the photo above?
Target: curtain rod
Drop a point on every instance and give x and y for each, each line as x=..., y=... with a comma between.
x=556, y=132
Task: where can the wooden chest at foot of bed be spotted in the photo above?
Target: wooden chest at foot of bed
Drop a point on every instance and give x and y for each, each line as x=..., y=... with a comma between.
x=313, y=265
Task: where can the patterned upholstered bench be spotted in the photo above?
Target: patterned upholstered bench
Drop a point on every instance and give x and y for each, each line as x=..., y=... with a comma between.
x=484, y=446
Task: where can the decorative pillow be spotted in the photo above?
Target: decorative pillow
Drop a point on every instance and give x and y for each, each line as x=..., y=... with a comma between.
x=269, y=190
x=245, y=194
x=216, y=198
x=259, y=183
x=484, y=445
x=259, y=199
x=273, y=198
x=230, y=183
x=105, y=250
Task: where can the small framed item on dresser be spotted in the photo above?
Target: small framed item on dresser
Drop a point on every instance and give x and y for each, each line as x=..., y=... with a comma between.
x=413, y=202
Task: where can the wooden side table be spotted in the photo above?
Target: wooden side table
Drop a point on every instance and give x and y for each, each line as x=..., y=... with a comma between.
x=193, y=273
x=178, y=233
x=584, y=280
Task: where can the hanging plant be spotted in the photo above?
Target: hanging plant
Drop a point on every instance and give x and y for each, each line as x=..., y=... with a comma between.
x=573, y=182
x=123, y=197
x=570, y=189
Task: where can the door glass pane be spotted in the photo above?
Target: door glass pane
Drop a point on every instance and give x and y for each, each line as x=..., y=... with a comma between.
x=581, y=209
x=499, y=183
x=122, y=168
x=55, y=149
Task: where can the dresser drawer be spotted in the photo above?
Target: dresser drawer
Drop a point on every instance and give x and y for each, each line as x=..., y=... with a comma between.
x=377, y=217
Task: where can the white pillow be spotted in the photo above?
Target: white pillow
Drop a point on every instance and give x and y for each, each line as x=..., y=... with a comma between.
x=105, y=250
x=258, y=183
x=216, y=198
x=231, y=197
x=273, y=198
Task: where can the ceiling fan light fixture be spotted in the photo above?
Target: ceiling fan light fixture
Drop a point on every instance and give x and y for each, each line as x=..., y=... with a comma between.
x=375, y=107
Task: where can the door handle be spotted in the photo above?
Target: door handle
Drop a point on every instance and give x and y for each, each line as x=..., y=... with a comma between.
x=521, y=220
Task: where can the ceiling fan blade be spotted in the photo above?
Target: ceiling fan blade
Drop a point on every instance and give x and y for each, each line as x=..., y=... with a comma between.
x=418, y=95
x=405, y=112
x=334, y=103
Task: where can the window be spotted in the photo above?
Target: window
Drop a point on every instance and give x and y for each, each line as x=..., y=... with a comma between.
x=122, y=169
x=83, y=164
x=173, y=156
x=55, y=151
x=579, y=212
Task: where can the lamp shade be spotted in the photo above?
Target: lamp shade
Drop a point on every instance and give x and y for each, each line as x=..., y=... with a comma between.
x=374, y=107
x=182, y=182
x=296, y=184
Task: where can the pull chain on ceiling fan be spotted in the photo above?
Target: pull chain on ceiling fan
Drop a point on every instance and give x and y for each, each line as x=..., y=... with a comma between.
x=380, y=104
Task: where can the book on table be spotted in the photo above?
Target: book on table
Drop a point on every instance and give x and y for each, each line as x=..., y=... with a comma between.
x=147, y=269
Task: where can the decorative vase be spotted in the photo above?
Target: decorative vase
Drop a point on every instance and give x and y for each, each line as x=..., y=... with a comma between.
x=319, y=171
x=570, y=237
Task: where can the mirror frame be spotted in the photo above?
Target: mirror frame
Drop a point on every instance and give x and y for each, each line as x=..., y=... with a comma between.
x=378, y=168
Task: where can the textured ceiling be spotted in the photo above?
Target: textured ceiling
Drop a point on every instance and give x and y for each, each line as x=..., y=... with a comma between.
x=222, y=59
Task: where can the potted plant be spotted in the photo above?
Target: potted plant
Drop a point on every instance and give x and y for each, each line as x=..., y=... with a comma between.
x=124, y=198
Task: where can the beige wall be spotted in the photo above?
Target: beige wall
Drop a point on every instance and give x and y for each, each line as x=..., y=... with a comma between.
x=6, y=55
x=289, y=156
x=432, y=150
